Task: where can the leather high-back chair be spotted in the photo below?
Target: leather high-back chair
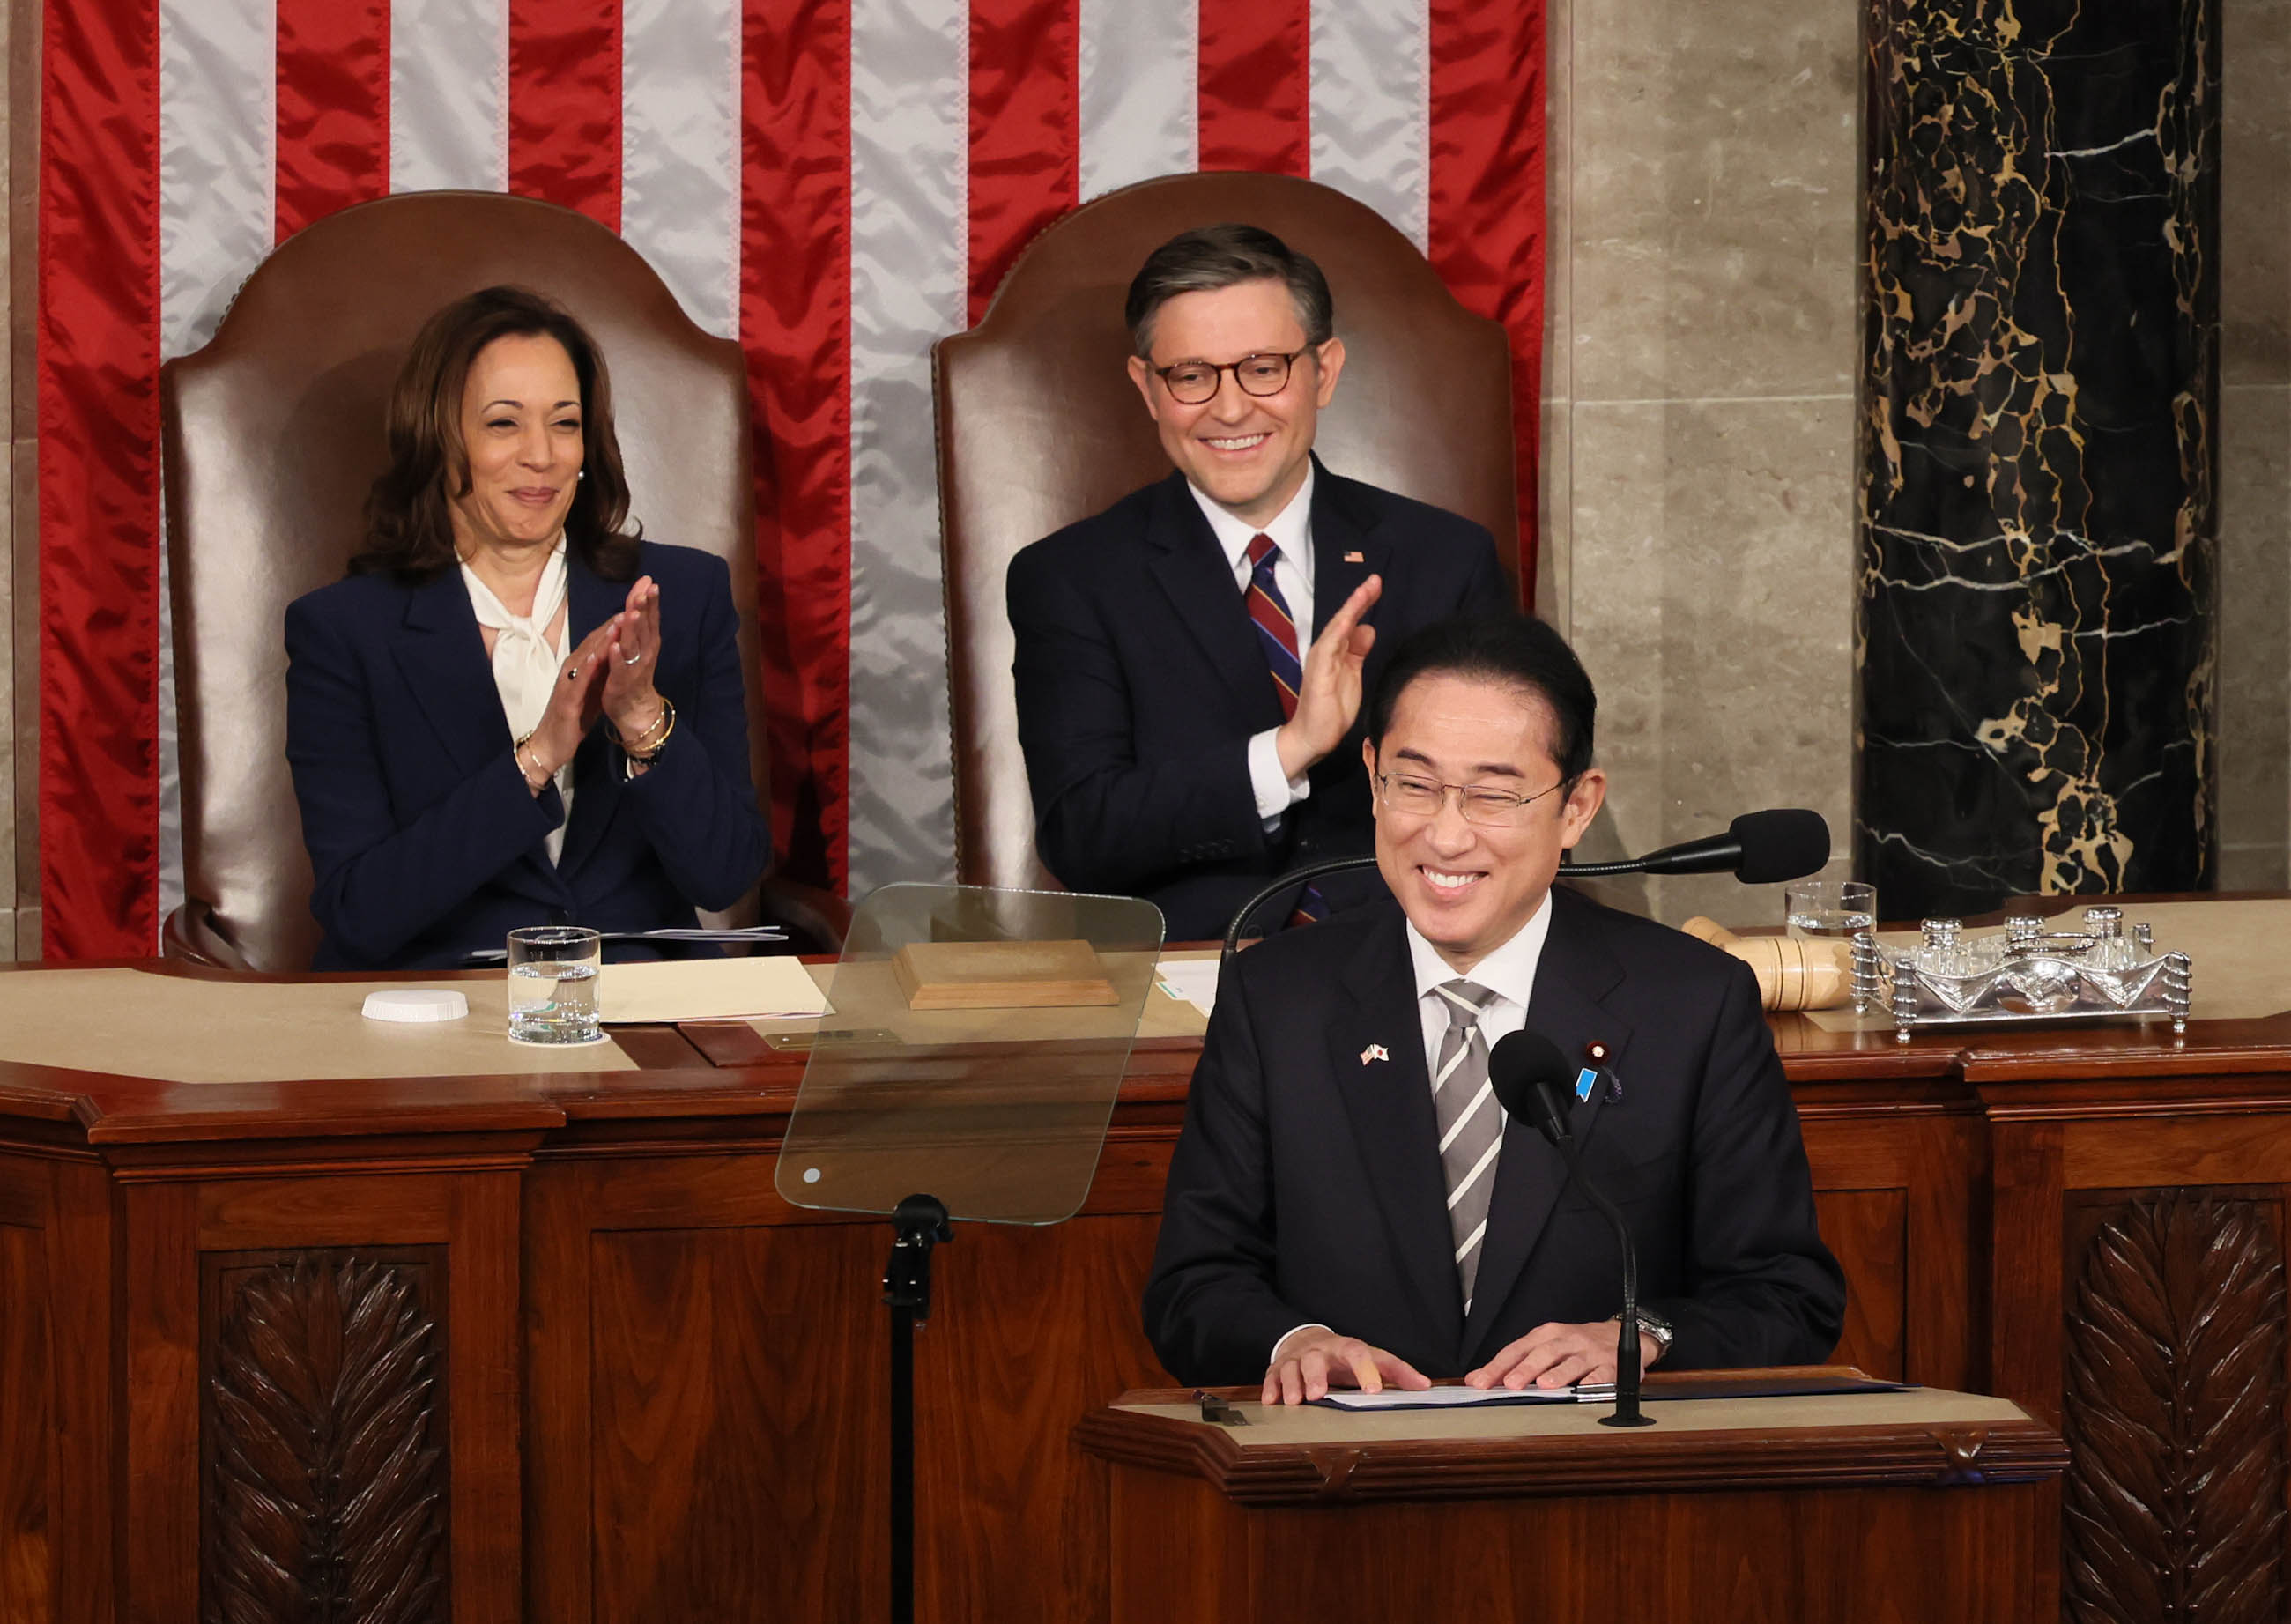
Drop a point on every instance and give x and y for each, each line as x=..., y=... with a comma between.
x=1038, y=425
x=273, y=435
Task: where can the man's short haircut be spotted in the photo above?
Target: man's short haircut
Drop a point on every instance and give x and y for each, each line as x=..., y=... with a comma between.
x=1212, y=257
x=1517, y=651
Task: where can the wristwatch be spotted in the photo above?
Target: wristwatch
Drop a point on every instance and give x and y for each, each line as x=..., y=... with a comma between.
x=1661, y=1329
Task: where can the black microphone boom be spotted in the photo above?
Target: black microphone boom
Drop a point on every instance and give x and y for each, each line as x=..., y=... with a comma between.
x=1757, y=848
x=1530, y=1078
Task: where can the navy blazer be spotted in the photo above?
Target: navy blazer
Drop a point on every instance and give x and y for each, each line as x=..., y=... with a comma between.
x=1307, y=1184
x=1140, y=681
x=424, y=839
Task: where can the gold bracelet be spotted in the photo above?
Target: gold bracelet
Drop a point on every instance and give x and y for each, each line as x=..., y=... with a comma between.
x=647, y=749
x=651, y=737
x=658, y=722
x=517, y=754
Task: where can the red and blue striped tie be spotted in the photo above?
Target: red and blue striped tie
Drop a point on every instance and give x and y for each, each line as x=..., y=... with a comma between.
x=1276, y=628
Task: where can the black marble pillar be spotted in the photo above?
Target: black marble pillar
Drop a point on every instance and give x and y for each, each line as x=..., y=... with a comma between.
x=2038, y=452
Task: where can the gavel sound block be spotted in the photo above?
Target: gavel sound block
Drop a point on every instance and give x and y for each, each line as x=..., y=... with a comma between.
x=1793, y=972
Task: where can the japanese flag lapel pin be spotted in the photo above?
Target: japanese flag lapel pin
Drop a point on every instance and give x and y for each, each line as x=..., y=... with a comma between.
x=1375, y=1052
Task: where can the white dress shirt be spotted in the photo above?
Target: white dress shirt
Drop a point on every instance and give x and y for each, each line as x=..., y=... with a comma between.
x=528, y=662
x=1291, y=531
x=1509, y=972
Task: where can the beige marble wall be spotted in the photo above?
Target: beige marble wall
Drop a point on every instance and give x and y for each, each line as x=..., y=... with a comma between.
x=2255, y=446
x=1699, y=427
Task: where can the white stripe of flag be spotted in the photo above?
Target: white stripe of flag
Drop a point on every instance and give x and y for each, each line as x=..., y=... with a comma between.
x=448, y=95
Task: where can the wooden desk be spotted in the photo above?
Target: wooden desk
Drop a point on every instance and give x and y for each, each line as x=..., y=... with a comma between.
x=1914, y=1506
x=649, y=1390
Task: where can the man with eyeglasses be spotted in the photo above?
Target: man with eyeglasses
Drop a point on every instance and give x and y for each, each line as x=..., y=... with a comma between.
x=1348, y=1206
x=1190, y=661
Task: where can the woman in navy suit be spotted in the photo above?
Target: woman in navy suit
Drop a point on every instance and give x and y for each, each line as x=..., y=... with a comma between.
x=511, y=712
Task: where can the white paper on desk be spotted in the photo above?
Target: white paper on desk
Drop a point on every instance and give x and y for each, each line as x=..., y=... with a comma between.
x=709, y=990
x=1195, y=980
x=1453, y=1398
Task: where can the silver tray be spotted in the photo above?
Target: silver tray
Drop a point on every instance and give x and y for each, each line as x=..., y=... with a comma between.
x=2034, y=978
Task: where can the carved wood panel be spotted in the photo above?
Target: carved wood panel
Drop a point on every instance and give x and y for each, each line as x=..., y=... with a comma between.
x=2174, y=1391
x=25, y=1591
x=322, y=1437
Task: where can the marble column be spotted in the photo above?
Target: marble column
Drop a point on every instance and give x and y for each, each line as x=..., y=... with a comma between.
x=2037, y=451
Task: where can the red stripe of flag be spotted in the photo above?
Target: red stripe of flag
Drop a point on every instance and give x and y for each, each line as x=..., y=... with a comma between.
x=1487, y=199
x=564, y=104
x=334, y=107
x=1026, y=131
x=795, y=325
x=1256, y=85
x=98, y=471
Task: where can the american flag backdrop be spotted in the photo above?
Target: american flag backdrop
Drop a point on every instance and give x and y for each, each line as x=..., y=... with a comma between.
x=835, y=183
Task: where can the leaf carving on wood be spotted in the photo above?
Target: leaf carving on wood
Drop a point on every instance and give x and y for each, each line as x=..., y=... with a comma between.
x=328, y=1494
x=2175, y=1498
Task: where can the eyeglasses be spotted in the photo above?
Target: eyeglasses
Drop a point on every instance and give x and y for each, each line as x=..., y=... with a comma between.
x=1479, y=803
x=1193, y=382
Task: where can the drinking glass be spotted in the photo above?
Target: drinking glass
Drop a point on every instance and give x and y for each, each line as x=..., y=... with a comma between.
x=552, y=985
x=1830, y=907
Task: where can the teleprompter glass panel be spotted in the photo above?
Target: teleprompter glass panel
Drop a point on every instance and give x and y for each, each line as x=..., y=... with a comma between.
x=974, y=1041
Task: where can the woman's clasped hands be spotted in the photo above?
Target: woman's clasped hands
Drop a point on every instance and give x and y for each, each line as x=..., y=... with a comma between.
x=608, y=676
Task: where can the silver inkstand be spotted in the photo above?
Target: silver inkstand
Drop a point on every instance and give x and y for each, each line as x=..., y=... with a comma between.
x=2022, y=975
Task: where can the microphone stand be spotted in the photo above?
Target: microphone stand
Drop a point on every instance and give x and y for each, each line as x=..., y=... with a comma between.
x=1626, y=1340
x=1287, y=882
x=1552, y=1123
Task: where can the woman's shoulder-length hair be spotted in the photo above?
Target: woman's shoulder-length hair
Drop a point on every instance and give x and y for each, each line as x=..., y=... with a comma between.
x=409, y=527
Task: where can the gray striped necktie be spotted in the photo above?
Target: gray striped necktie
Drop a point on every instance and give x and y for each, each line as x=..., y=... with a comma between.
x=1470, y=1121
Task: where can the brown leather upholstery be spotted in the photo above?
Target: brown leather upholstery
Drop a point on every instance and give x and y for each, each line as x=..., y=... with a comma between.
x=273, y=434
x=1038, y=425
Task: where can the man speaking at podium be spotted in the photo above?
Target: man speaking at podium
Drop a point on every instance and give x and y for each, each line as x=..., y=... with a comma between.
x=1348, y=1205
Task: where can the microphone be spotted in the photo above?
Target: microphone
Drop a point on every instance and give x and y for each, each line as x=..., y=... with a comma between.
x=1530, y=1081
x=1757, y=848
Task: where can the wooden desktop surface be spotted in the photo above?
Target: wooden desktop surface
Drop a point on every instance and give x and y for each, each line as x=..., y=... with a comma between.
x=654, y=1390
x=1310, y=1455
x=1910, y=1505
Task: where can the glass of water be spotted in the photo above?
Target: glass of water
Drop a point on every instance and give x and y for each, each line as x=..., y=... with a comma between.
x=1830, y=907
x=552, y=985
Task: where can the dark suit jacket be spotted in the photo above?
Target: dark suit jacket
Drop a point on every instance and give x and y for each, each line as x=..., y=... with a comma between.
x=1140, y=681
x=423, y=836
x=1307, y=1185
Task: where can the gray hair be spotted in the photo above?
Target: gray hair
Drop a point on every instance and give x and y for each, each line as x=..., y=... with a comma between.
x=1212, y=257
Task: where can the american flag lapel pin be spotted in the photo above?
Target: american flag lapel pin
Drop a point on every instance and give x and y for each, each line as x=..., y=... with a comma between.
x=1355, y=558
x=1375, y=1052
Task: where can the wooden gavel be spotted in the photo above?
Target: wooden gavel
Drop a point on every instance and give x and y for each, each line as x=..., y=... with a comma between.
x=1793, y=972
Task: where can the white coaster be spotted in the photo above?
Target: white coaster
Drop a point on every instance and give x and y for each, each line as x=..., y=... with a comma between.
x=416, y=1004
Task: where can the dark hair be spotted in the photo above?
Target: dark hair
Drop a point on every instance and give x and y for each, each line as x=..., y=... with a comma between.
x=1212, y=257
x=409, y=527
x=1517, y=651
